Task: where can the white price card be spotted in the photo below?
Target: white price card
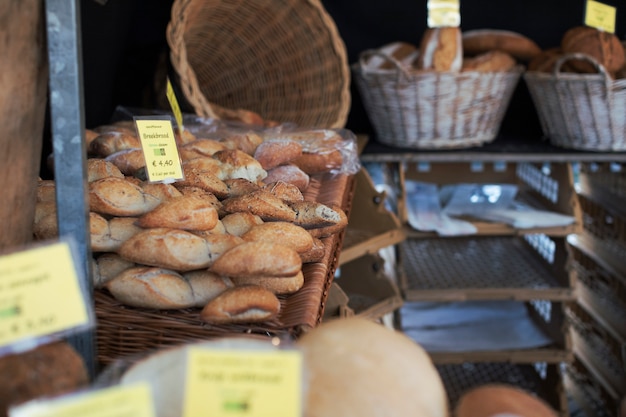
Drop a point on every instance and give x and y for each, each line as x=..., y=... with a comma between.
x=444, y=13
x=117, y=401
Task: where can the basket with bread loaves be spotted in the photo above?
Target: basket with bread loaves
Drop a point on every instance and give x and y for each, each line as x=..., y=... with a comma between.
x=450, y=91
x=246, y=242
x=579, y=90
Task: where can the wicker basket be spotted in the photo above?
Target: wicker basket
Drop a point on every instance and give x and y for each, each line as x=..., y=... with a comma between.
x=282, y=59
x=432, y=110
x=580, y=111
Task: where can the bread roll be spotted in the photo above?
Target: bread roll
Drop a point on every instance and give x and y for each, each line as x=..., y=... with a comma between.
x=46, y=191
x=311, y=214
x=240, y=186
x=107, y=266
x=493, y=61
x=319, y=162
x=322, y=232
x=218, y=229
x=245, y=142
x=188, y=190
x=285, y=233
x=273, y=153
x=218, y=243
x=241, y=304
x=206, y=164
x=110, y=142
x=174, y=249
x=90, y=135
x=128, y=161
x=206, y=285
x=402, y=52
x=240, y=222
x=99, y=168
x=160, y=190
x=277, y=285
x=200, y=148
x=356, y=367
x=119, y=197
x=204, y=180
x=258, y=259
x=441, y=49
x=316, y=253
x=606, y=48
x=501, y=399
x=479, y=41
x=187, y=212
x=261, y=203
x=45, y=223
x=291, y=174
x=238, y=164
x=150, y=287
x=108, y=235
x=287, y=192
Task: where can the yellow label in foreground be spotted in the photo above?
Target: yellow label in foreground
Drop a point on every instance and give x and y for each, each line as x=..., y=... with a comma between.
x=39, y=293
x=118, y=401
x=171, y=97
x=600, y=16
x=159, y=149
x=224, y=383
x=444, y=13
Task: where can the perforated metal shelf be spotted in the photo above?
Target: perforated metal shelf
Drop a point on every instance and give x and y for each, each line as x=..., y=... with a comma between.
x=485, y=268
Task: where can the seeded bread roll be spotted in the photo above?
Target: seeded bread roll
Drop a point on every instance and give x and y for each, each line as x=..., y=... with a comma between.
x=262, y=203
x=187, y=212
x=99, y=168
x=240, y=222
x=479, y=41
x=206, y=164
x=241, y=304
x=258, y=259
x=492, y=61
x=118, y=197
x=287, y=192
x=273, y=153
x=286, y=233
x=204, y=180
x=277, y=285
x=441, y=49
x=174, y=249
x=150, y=287
x=240, y=186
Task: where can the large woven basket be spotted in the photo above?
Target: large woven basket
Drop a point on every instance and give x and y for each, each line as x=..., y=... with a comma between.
x=580, y=111
x=433, y=110
x=283, y=59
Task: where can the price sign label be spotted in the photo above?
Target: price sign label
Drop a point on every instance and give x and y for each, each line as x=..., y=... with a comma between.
x=224, y=383
x=444, y=13
x=171, y=97
x=600, y=16
x=118, y=401
x=159, y=149
x=40, y=294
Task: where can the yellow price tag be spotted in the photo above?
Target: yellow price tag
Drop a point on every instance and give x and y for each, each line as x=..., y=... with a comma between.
x=39, y=294
x=171, y=97
x=444, y=13
x=600, y=16
x=224, y=383
x=118, y=401
x=159, y=149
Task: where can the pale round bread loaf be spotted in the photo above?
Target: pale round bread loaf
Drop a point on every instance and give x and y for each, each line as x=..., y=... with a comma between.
x=359, y=368
x=501, y=399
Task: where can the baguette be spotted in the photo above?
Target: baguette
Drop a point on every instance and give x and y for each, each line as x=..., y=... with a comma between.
x=240, y=186
x=160, y=190
x=107, y=235
x=46, y=191
x=200, y=148
x=241, y=304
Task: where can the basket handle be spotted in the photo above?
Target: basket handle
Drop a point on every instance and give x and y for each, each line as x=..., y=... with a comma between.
x=599, y=67
x=365, y=55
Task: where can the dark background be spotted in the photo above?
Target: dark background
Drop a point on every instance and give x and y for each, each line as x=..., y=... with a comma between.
x=124, y=45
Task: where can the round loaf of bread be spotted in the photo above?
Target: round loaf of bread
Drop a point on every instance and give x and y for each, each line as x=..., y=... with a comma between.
x=358, y=368
x=441, y=49
x=479, y=41
x=501, y=399
x=604, y=47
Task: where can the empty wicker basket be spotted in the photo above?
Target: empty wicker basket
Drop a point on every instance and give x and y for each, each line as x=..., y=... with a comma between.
x=282, y=59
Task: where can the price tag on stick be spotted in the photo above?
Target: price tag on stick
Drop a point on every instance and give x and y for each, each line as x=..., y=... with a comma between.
x=159, y=149
x=600, y=16
x=443, y=13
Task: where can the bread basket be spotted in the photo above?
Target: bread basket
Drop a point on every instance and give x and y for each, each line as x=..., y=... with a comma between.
x=580, y=111
x=431, y=109
x=282, y=59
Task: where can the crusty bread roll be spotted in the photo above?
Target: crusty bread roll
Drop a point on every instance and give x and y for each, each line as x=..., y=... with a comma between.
x=218, y=229
x=45, y=223
x=287, y=192
x=204, y=180
x=160, y=190
x=110, y=142
x=90, y=135
x=245, y=142
x=312, y=214
x=128, y=161
x=150, y=287
x=119, y=197
x=238, y=164
x=200, y=148
x=107, y=266
x=206, y=285
x=107, y=235
x=319, y=162
x=291, y=174
x=218, y=243
x=99, y=168
x=258, y=259
x=492, y=61
x=187, y=212
x=174, y=249
x=316, y=253
x=501, y=399
x=262, y=203
x=479, y=41
x=357, y=367
x=239, y=223
x=605, y=47
x=405, y=54
x=286, y=233
x=322, y=232
x=441, y=49
x=240, y=186
x=277, y=285
x=241, y=304
x=201, y=193
x=273, y=153
x=208, y=165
